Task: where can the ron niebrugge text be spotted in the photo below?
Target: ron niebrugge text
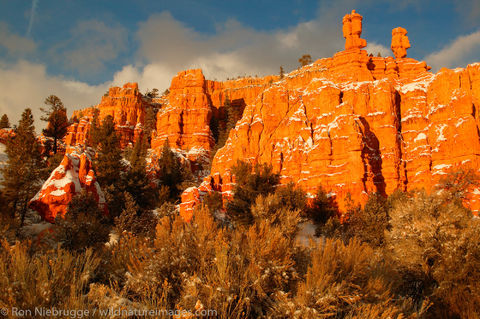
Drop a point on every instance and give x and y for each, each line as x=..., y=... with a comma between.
x=115, y=312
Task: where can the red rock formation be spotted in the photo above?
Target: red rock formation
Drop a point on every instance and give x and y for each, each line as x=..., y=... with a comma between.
x=72, y=175
x=400, y=42
x=352, y=30
x=357, y=124
x=127, y=107
x=5, y=133
x=185, y=119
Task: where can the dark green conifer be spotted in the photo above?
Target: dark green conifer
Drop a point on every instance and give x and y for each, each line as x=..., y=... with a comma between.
x=250, y=183
x=22, y=174
x=170, y=172
x=4, y=122
x=109, y=165
x=56, y=117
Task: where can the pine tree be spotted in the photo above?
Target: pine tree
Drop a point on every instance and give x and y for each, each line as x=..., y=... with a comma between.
x=233, y=113
x=282, y=73
x=150, y=122
x=109, y=165
x=4, y=122
x=322, y=208
x=250, y=183
x=84, y=225
x=306, y=59
x=21, y=175
x=136, y=181
x=94, y=129
x=56, y=116
x=170, y=171
x=109, y=160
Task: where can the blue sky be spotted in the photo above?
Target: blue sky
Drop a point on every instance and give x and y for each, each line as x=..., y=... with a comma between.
x=77, y=49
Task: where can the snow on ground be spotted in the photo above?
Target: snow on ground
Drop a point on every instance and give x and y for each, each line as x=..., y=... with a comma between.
x=306, y=233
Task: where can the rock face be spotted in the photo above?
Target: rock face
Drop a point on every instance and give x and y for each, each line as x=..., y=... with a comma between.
x=127, y=107
x=400, y=42
x=357, y=124
x=185, y=119
x=192, y=102
x=72, y=175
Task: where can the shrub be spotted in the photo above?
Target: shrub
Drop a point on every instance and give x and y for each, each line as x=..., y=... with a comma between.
x=370, y=223
x=434, y=243
x=57, y=278
x=342, y=280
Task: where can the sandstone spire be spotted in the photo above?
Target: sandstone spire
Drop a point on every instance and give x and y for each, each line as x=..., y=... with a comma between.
x=400, y=42
x=352, y=29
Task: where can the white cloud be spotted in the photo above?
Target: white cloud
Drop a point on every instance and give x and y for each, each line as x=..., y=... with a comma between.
x=14, y=44
x=91, y=44
x=375, y=48
x=27, y=84
x=167, y=46
x=463, y=50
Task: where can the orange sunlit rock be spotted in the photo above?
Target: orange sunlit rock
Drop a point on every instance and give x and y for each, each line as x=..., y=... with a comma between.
x=400, y=42
x=74, y=174
x=352, y=30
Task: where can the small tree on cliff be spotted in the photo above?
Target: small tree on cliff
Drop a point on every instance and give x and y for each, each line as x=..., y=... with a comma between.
x=306, y=59
x=93, y=133
x=233, y=113
x=21, y=175
x=150, y=122
x=282, y=73
x=56, y=116
x=4, y=122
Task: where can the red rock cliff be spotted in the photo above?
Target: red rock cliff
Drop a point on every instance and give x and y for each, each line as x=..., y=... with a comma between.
x=127, y=107
x=357, y=124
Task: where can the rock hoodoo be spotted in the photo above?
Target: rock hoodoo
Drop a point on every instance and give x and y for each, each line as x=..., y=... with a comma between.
x=72, y=175
x=400, y=42
x=352, y=30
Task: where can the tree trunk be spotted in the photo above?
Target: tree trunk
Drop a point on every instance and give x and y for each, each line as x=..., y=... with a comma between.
x=54, y=145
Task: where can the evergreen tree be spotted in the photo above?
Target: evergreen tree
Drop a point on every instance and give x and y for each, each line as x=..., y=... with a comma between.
x=322, y=208
x=150, y=122
x=136, y=181
x=56, y=116
x=4, y=122
x=93, y=133
x=170, y=172
x=84, y=225
x=21, y=175
x=233, y=113
x=282, y=73
x=249, y=185
x=109, y=165
x=306, y=59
